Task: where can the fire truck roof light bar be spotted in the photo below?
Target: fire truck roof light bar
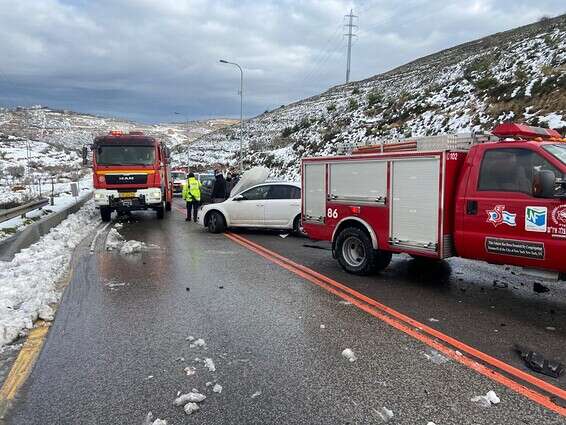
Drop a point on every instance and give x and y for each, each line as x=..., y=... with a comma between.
x=121, y=133
x=522, y=131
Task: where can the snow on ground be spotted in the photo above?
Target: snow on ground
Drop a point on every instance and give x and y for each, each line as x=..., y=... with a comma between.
x=62, y=200
x=486, y=400
x=28, y=282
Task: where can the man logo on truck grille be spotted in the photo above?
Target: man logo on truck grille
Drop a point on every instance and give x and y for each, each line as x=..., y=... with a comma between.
x=498, y=216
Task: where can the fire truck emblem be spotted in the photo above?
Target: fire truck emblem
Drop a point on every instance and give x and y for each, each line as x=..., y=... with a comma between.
x=498, y=216
x=559, y=215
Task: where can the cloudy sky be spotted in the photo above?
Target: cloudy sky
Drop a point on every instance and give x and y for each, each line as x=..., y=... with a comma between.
x=147, y=59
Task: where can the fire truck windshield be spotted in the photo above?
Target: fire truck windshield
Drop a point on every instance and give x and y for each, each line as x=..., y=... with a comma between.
x=559, y=151
x=125, y=155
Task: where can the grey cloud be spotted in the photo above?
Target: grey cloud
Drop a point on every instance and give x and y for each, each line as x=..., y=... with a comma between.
x=146, y=59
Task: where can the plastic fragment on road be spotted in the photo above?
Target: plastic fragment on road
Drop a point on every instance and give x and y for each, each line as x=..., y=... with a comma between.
x=486, y=400
x=190, y=408
x=432, y=319
x=256, y=394
x=385, y=414
x=209, y=364
x=284, y=235
x=435, y=357
x=189, y=370
x=190, y=338
x=344, y=302
x=536, y=361
x=217, y=388
x=349, y=355
x=322, y=326
x=430, y=423
x=192, y=397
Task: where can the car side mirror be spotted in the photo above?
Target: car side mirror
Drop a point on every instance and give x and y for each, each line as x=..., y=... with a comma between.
x=544, y=183
x=239, y=198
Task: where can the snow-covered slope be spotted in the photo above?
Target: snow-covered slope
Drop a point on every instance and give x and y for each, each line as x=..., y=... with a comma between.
x=516, y=75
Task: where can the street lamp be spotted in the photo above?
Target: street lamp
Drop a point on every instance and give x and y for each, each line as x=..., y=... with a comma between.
x=241, y=107
x=188, y=145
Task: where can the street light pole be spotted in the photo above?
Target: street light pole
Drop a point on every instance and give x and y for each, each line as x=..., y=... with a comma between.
x=241, y=108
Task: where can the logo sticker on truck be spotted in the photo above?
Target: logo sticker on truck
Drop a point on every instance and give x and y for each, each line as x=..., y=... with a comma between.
x=536, y=219
x=498, y=216
x=515, y=248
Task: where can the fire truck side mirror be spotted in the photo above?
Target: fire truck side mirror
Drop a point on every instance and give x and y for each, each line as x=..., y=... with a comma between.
x=544, y=184
x=85, y=155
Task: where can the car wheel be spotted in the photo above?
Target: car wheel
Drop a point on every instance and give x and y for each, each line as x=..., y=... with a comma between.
x=216, y=222
x=356, y=254
x=298, y=227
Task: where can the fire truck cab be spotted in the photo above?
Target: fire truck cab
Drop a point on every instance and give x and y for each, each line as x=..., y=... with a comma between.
x=130, y=172
x=499, y=198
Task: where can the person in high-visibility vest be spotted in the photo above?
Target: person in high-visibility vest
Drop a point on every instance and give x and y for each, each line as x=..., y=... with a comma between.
x=191, y=195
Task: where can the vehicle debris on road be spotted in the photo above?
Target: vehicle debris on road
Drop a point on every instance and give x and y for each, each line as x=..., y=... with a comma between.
x=536, y=361
x=349, y=355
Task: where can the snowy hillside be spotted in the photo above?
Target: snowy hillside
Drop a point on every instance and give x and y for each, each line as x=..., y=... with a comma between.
x=38, y=143
x=516, y=75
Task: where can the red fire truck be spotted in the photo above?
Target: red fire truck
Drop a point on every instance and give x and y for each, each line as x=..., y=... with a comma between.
x=499, y=198
x=130, y=172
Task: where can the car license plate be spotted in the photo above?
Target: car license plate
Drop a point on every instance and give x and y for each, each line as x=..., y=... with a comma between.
x=127, y=194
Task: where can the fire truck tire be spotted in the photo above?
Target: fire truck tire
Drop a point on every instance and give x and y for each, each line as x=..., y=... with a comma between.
x=168, y=206
x=216, y=222
x=105, y=213
x=160, y=211
x=356, y=255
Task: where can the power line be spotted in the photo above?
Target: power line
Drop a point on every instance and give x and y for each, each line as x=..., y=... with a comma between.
x=350, y=26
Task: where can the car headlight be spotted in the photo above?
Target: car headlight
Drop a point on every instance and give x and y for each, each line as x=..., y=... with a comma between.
x=99, y=196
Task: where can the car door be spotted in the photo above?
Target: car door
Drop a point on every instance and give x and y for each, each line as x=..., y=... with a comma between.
x=282, y=205
x=503, y=222
x=248, y=208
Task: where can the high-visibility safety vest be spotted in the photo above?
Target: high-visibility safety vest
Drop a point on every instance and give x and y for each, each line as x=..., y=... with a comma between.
x=191, y=190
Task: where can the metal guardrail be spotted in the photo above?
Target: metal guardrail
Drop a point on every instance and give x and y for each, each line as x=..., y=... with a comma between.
x=22, y=209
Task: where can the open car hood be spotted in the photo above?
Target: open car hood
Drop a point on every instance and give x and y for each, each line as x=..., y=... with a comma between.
x=250, y=178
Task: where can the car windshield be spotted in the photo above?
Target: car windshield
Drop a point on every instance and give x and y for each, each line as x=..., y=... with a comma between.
x=125, y=155
x=178, y=176
x=558, y=151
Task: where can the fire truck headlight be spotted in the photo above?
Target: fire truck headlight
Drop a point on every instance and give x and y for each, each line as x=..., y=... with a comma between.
x=154, y=194
x=98, y=196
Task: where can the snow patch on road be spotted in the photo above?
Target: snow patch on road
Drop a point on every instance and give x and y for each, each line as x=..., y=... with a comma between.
x=385, y=414
x=198, y=343
x=190, y=408
x=192, y=397
x=436, y=357
x=150, y=421
x=217, y=388
x=349, y=355
x=256, y=394
x=209, y=364
x=115, y=242
x=28, y=282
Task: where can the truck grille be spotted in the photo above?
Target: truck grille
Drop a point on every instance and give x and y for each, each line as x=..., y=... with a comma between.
x=126, y=178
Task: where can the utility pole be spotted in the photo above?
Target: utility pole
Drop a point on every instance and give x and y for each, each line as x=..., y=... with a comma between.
x=349, y=26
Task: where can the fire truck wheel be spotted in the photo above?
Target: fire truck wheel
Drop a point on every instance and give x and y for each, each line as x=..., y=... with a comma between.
x=356, y=254
x=105, y=213
x=168, y=206
x=216, y=222
x=160, y=211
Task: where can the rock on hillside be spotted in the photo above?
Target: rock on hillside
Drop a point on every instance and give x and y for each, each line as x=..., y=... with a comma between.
x=515, y=75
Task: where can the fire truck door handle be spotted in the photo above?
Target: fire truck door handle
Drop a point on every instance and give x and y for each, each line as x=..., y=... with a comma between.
x=471, y=207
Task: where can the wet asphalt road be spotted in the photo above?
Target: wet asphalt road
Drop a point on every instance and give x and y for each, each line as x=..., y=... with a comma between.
x=118, y=347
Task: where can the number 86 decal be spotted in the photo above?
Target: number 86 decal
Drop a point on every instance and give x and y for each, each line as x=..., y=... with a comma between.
x=332, y=213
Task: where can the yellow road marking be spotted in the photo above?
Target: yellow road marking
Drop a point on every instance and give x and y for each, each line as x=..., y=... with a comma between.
x=23, y=365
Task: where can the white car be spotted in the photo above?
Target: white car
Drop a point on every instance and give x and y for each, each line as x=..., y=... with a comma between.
x=266, y=205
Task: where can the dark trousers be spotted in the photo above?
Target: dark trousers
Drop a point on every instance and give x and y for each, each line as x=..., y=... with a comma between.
x=194, y=204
